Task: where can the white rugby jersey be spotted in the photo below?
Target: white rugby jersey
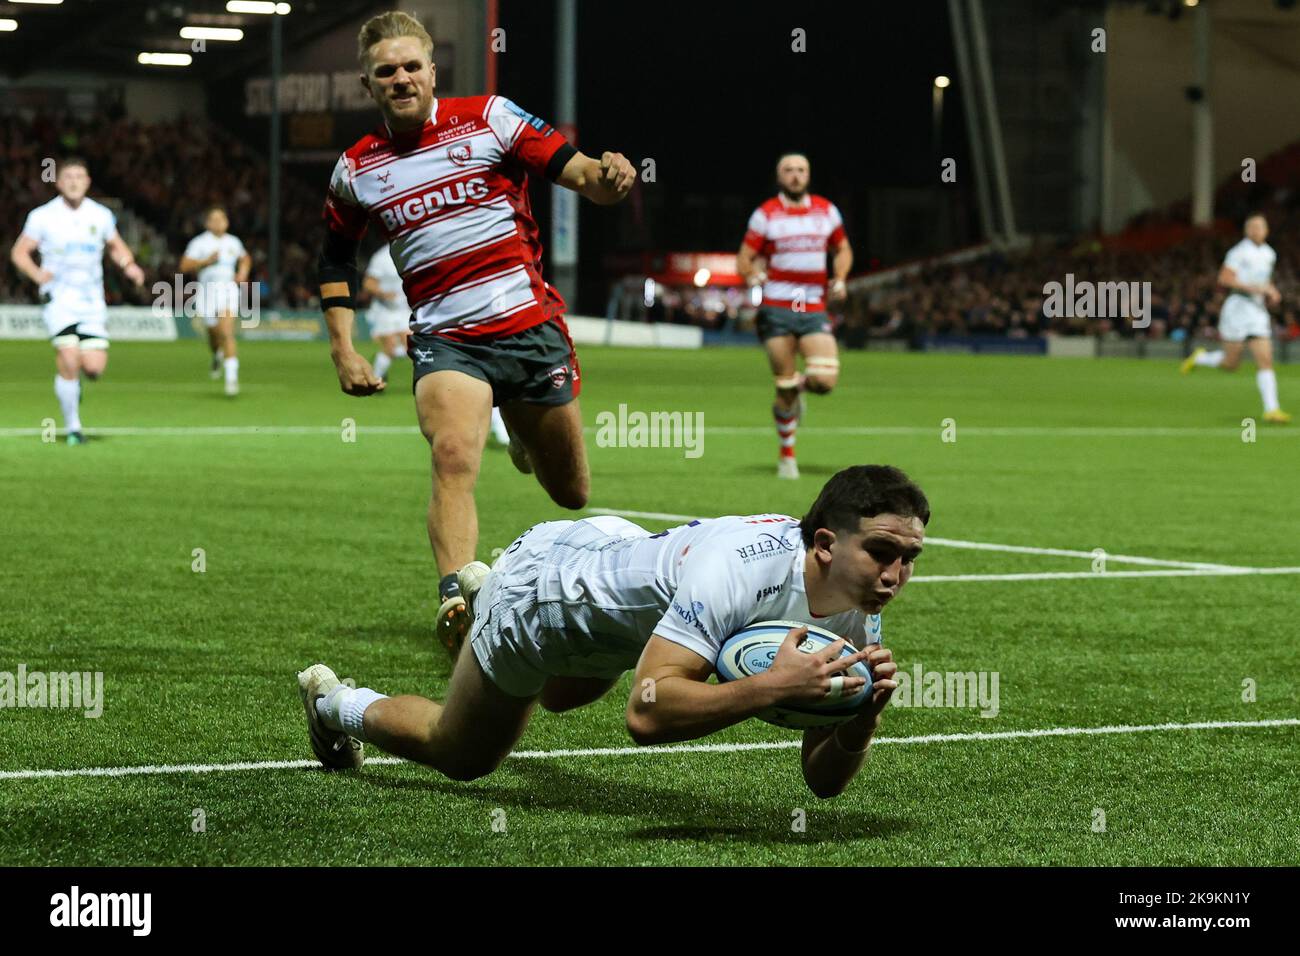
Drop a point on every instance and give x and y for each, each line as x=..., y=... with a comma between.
x=601, y=593
x=452, y=201
x=384, y=271
x=793, y=238
x=1253, y=264
x=71, y=245
x=228, y=249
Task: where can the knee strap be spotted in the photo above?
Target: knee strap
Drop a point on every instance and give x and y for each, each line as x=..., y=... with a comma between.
x=822, y=366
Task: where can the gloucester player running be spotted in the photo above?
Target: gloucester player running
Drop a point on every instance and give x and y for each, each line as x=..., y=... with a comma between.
x=70, y=233
x=572, y=605
x=792, y=232
x=446, y=182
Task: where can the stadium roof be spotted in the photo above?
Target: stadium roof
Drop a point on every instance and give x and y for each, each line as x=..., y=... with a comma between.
x=107, y=36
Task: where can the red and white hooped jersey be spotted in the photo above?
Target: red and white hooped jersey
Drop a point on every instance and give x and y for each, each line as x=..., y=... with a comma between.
x=793, y=238
x=452, y=202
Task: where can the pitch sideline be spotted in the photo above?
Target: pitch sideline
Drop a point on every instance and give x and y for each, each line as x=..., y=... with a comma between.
x=195, y=768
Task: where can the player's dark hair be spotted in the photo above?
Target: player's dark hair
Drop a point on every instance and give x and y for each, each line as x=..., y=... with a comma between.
x=215, y=207
x=863, y=491
x=69, y=161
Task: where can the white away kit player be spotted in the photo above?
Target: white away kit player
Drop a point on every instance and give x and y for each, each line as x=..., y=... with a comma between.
x=1247, y=273
x=222, y=265
x=389, y=315
x=389, y=318
x=573, y=605
x=70, y=233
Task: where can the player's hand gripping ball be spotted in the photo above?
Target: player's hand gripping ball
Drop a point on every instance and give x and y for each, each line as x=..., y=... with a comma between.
x=751, y=651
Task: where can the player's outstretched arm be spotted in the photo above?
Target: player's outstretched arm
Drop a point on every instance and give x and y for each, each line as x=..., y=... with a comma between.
x=123, y=258
x=841, y=264
x=189, y=264
x=671, y=700
x=749, y=267
x=21, y=256
x=832, y=756
x=373, y=289
x=337, y=272
x=1228, y=278
x=604, y=181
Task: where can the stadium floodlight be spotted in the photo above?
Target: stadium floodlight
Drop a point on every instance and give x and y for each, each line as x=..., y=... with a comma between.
x=942, y=82
x=165, y=59
x=257, y=6
x=211, y=33
x=8, y=26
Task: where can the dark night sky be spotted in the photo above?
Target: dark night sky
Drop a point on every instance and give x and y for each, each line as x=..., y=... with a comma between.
x=712, y=91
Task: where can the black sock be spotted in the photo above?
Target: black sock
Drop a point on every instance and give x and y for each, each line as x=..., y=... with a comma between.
x=448, y=587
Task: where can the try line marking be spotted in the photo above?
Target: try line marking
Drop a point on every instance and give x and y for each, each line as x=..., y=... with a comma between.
x=636, y=751
x=1168, y=567
x=1069, y=431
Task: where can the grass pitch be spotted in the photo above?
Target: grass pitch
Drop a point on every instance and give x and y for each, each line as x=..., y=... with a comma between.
x=314, y=549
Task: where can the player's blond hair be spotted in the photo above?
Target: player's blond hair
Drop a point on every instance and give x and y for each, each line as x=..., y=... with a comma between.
x=390, y=26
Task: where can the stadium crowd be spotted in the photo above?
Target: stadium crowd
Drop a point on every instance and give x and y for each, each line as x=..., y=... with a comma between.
x=1002, y=293
x=167, y=173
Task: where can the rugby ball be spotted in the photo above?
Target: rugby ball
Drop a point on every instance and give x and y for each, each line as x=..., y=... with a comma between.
x=752, y=649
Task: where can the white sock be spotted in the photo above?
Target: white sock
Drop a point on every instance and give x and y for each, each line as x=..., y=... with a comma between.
x=232, y=369
x=382, y=361
x=220, y=354
x=1210, y=359
x=69, y=392
x=1266, y=379
x=499, y=427
x=344, y=708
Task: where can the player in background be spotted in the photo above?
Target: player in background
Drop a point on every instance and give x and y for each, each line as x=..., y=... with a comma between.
x=792, y=233
x=70, y=233
x=572, y=605
x=222, y=264
x=389, y=317
x=446, y=183
x=1247, y=273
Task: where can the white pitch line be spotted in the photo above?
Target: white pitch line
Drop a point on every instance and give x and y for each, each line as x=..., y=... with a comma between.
x=1015, y=549
x=152, y=770
x=206, y=431
x=865, y=431
x=1010, y=431
x=1101, y=575
x=1065, y=553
